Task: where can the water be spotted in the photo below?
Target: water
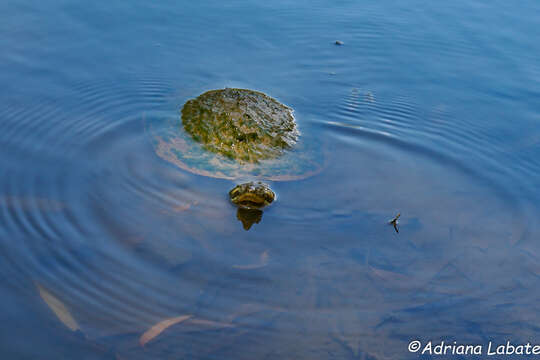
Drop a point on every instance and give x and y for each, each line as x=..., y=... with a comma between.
x=428, y=109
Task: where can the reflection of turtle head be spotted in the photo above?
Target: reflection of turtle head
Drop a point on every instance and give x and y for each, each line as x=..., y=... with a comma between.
x=248, y=217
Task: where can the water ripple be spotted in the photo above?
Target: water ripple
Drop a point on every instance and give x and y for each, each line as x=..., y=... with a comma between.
x=476, y=148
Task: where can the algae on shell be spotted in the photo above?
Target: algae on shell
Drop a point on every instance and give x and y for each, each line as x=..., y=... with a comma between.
x=243, y=125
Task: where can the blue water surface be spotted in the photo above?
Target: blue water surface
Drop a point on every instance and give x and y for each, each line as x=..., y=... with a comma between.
x=428, y=109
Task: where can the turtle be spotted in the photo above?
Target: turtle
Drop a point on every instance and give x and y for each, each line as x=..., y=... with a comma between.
x=252, y=195
x=239, y=134
x=242, y=125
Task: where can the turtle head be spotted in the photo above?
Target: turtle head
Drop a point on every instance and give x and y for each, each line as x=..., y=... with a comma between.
x=252, y=195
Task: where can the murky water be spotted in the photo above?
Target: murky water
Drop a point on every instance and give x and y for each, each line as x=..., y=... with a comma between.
x=427, y=109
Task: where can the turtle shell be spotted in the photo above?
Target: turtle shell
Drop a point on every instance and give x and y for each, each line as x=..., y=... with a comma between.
x=237, y=133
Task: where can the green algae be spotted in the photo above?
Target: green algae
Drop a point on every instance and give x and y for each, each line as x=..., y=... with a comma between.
x=240, y=124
